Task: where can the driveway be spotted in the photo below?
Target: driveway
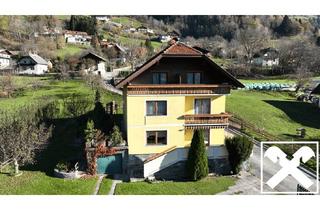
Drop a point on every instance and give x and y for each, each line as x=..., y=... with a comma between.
x=249, y=182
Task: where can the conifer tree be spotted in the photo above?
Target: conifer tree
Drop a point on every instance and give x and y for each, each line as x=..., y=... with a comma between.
x=197, y=163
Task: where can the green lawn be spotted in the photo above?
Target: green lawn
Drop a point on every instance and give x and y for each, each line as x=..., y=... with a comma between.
x=70, y=50
x=126, y=21
x=208, y=186
x=38, y=183
x=130, y=41
x=278, y=113
x=157, y=45
x=63, y=17
x=50, y=89
x=137, y=42
x=105, y=186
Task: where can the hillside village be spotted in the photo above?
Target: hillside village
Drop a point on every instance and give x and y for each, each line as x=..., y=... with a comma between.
x=125, y=96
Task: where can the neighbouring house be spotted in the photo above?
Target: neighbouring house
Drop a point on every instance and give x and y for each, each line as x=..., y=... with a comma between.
x=50, y=32
x=119, y=52
x=169, y=36
x=267, y=57
x=94, y=64
x=164, y=38
x=130, y=30
x=103, y=18
x=5, y=59
x=32, y=64
x=176, y=92
x=145, y=30
x=142, y=29
x=77, y=37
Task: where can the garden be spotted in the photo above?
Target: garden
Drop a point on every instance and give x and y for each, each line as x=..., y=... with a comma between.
x=51, y=120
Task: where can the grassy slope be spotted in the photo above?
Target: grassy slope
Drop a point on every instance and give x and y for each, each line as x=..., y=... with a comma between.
x=70, y=50
x=51, y=90
x=208, y=186
x=38, y=183
x=278, y=113
x=105, y=186
x=126, y=21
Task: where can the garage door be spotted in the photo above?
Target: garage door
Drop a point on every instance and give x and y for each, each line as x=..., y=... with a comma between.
x=110, y=164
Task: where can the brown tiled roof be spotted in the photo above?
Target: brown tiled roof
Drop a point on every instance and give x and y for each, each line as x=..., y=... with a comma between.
x=181, y=49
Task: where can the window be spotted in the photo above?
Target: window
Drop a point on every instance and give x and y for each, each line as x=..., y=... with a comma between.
x=159, y=78
x=194, y=78
x=156, y=137
x=202, y=106
x=155, y=108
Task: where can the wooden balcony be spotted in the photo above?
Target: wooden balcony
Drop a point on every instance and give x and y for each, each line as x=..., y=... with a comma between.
x=179, y=89
x=206, y=121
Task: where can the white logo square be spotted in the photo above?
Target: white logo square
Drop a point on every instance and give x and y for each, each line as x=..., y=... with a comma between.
x=281, y=174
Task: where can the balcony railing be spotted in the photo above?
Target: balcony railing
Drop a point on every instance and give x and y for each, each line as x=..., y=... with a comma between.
x=206, y=120
x=179, y=89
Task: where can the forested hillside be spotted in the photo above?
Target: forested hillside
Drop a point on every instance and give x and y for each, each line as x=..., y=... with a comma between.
x=235, y=42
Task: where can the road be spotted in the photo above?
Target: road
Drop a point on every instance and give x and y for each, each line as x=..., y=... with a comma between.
x=249, y=181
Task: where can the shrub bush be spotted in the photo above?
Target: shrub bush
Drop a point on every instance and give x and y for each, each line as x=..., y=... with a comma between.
x=239, y=149
x=197, y=163
x=115, y=137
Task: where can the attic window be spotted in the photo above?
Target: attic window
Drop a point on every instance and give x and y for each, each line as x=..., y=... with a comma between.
x=159, y=78
x=194, y=78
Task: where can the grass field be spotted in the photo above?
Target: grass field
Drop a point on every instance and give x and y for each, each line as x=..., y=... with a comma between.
x=207, y=186
x=126, y=21
x=70, y=50
x=66, y=126
x=275, y=112
x=138, y=42
x=49, y=89
x=105, y=186
x=38, y=183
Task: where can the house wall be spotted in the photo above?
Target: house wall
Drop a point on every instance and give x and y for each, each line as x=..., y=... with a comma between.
x=37, y=69
x=177, y=106
x=5, y=60
x=99, y=67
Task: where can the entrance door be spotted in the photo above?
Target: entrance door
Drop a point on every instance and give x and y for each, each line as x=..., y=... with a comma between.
x=202, y=106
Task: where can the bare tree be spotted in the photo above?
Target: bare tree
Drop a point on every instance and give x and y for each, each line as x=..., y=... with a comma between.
x=21, y=135
x=7, y=84
x=252, y=40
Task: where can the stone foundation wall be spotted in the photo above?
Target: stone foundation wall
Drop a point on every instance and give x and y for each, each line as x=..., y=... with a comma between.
x=176, y=171
x=135, y=165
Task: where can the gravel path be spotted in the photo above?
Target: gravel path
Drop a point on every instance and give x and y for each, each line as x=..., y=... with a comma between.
x=113, y=186
x=96, y=190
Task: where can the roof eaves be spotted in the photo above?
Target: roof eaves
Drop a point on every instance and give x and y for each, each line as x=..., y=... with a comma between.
x=236, y=83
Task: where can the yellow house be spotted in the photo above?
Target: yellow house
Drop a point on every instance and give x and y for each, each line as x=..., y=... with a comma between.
x=175, y=92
